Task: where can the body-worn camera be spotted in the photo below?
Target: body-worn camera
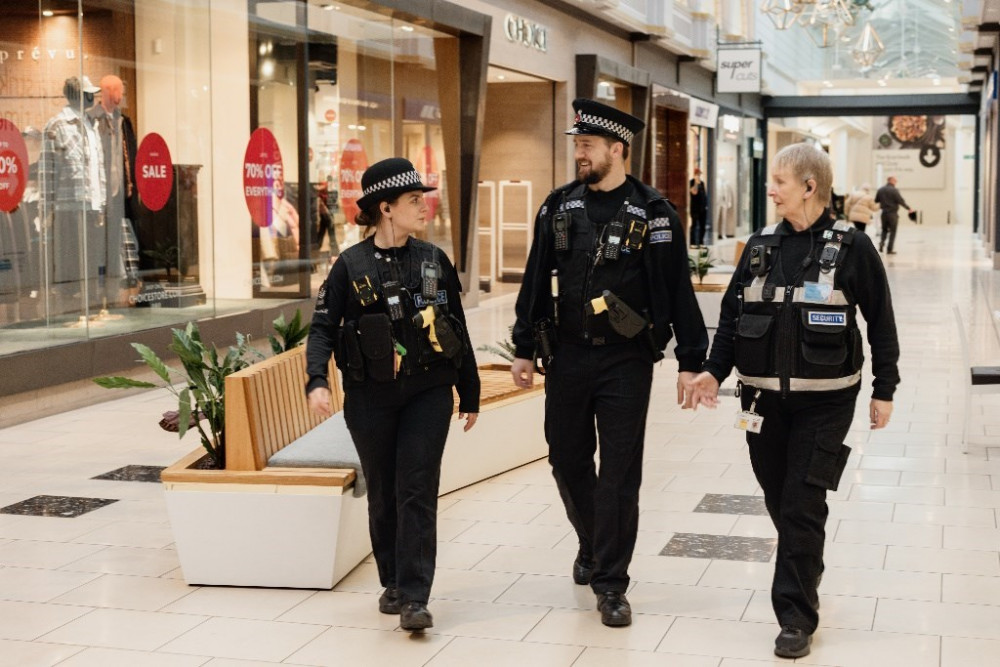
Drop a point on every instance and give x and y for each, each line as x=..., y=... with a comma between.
x=364, y=291
x=758, y=260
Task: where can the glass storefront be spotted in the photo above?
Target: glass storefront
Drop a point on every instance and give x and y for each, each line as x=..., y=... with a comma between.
x=165, y=161
x=106, y=182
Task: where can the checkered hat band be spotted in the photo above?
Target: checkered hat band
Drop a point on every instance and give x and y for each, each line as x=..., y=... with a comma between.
x=617, y=129
x=397, y=181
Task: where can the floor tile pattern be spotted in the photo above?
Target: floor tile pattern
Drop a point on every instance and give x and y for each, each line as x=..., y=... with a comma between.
x=912, y=555
x=61, y=506
x=133, y=473
x=720, y=547
x=724, y=503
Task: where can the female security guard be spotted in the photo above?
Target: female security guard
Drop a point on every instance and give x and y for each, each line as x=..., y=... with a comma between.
x=788, y=325
x=391, y=313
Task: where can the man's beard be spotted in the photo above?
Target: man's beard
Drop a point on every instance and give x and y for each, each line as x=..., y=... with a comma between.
x=596, y=174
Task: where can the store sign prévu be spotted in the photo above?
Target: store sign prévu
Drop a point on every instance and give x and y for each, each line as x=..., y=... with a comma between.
x=154, y=172
x=263, y=176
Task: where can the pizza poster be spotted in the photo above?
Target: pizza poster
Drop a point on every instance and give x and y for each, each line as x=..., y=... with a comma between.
x=911, y=148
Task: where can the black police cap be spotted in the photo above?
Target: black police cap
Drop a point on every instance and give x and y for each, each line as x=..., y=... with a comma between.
x=593, y=117
x=387, y=179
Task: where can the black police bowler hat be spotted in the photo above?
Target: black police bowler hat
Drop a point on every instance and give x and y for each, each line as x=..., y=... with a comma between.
x=593, y=117
x=387, y=179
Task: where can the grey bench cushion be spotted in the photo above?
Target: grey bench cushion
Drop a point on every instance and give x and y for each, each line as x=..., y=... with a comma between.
x=329, y=445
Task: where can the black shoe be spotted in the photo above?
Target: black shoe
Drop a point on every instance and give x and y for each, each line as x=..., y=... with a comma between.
x=414, y=616
x=389, y=602
x=615, y=609
x=880, y=249
x=792, y=642
x=583, y=571
x=891, y=252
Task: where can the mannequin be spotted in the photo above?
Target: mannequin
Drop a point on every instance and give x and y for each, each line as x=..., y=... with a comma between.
x=74, y=195
x=119, y=145
x=727, y=221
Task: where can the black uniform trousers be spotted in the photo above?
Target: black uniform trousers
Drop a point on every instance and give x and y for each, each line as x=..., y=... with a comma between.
x=699, y=218
x=890, y=223
x=610, y=385
x=400, y=437
x=781, y=455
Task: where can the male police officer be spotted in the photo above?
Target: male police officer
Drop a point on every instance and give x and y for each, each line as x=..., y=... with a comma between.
x=606, y=278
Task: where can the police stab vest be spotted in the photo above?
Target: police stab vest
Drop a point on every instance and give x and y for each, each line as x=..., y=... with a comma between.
x=384, y=332
x=593, y=256
x=801, y=336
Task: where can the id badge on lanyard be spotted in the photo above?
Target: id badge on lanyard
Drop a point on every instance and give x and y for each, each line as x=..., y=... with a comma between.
x=749, y=420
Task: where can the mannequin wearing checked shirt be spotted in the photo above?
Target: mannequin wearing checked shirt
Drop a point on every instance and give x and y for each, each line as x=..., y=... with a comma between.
x=788, y=326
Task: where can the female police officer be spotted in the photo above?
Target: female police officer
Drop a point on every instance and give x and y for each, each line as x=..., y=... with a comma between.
x=391, y=313
x=788, y=325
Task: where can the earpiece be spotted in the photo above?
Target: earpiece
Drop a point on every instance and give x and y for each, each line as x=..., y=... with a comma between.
x=809, y=188
x=385, y=210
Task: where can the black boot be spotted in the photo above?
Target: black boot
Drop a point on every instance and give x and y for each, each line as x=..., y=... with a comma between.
x=792, y=642
x=414, y=616
x=388, y=602
x=615, y=610
x=583, y=570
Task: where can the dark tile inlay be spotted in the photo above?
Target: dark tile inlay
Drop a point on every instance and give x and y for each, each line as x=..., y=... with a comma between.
x=64, y=506
x=133, y=473
x=720, y=547
x=724, y=503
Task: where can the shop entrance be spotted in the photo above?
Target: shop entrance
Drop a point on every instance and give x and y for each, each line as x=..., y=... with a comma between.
x=517, y=171
x=669, y=163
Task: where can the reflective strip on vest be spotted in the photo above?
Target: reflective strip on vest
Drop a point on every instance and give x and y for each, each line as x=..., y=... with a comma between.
x=800, y=384
x=754, y=293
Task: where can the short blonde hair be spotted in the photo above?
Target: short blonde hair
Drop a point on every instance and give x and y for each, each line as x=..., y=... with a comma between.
x=805, y=162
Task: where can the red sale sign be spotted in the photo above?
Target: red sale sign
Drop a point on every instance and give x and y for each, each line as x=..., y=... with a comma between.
x=353, y=163
x=263, y=177
x=13, y=166
x=154, y=172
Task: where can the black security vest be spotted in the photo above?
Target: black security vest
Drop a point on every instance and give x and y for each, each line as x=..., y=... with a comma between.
x=370, y=266
x=584, y=273
x=801, y=336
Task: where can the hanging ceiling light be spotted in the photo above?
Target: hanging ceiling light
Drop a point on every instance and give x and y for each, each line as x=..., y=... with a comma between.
x=868, y=47
x=783, y=13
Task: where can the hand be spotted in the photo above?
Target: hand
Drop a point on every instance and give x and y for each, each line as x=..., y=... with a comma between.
x=879, y=413
x=523, y=371
x=701, y=389
x=470, y=419
x=319, y=401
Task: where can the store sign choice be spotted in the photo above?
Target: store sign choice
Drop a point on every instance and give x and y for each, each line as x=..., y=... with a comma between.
x=521, y=30
x=154, y=172
x=13, y=166
x=738, y=70
x=263, y=176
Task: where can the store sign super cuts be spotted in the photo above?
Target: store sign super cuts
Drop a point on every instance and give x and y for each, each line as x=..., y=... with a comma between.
x=154, y=172
x=263, y=175
x=13, y=166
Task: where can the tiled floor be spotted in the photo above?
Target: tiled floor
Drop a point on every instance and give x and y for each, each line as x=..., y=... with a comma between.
x=913, y=553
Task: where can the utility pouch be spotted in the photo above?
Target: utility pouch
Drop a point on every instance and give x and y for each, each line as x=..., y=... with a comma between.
x=449, y=336
x=375, y=335
x=351, y=361
x=829, y=458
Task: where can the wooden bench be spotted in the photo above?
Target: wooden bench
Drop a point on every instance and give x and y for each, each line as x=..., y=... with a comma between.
x=302, y=527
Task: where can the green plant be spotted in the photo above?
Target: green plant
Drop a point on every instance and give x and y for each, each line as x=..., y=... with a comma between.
x=165, y=255
x=292, y=334
x=200, y=387
x=504, y=348
x=700, y=263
